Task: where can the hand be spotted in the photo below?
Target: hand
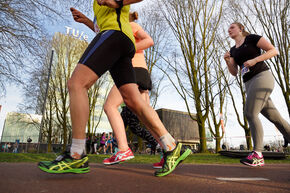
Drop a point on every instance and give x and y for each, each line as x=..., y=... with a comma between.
x=109, y=3
x=78, y=16
x=227, y=56
x=250, y=63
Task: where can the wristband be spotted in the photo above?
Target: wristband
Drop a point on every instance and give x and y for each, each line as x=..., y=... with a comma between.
x=120, y=3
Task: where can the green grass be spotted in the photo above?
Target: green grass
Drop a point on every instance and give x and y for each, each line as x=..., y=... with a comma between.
x=199, y=158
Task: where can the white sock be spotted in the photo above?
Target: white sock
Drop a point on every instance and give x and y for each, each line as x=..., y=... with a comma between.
x=78, y=146
x=259, y=153
x=168, y=142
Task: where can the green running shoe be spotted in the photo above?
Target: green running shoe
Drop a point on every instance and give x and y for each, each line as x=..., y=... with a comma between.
x=172, y=159
x=65, y=164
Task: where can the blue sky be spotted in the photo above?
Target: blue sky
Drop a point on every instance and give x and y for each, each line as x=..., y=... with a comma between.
x=169, y=99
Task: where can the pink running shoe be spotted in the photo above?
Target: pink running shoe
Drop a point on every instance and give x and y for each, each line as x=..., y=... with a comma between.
x=159, y=164
x=253, y=160
x=120, y=156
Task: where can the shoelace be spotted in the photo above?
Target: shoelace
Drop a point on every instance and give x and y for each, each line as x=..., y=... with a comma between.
x=115, y=155
x=251, y=155
x=59, y=158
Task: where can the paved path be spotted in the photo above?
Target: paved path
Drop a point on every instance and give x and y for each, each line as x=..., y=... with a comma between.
x=130, y=178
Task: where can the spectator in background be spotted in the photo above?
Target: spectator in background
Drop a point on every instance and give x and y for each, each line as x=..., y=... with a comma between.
x=8, y=146
x=110, y=143
x=5, y=147
x=15, y=148
x=103, y=143
x=88, y=144
x=95, y=144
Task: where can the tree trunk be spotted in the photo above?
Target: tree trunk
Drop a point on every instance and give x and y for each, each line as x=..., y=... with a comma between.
x=202, y=136
x=218, y=144
x=249, y=139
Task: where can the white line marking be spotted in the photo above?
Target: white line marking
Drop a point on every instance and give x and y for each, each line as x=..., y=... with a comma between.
x=243, y=179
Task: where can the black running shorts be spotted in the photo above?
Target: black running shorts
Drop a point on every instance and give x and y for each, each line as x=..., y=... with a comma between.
x=111, y=50
x=143, y=78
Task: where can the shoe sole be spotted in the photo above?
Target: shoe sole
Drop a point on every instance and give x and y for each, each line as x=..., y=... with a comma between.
x=120, y=161
x=75, y=171
x=157, y=167
x=251, y=165
x=177, y=162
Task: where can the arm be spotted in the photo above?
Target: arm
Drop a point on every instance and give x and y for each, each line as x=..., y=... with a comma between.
x=113, y=4
x=232, y=66
x=270, y=52
x=81, y=18
x=145, y=40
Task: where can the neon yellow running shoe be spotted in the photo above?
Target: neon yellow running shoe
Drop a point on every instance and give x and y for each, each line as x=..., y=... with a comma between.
x=172, y=159
x=65, y=164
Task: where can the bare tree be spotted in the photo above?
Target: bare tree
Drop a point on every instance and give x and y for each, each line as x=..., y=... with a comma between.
x=217, y=116
x=193, y=23
x=57, y=125
x=234, y=86
x=97, y=95
x=21, y=28
x=155, y=25
x=68, y=50
x=274, y=18
x=23, y=23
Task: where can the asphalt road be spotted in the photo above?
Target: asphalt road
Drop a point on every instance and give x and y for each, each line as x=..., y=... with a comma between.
x=129, y=178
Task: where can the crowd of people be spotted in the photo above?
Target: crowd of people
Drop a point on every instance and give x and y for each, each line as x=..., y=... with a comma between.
x=10, y=147
x=104, y=143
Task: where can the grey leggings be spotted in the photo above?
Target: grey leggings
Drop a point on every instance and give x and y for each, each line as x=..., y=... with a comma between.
x=258, y=90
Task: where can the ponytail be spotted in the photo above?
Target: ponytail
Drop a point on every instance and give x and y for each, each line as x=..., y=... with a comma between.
x=244, y=32
x=133, y=16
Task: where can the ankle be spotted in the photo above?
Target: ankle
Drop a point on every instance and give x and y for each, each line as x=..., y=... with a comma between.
x=123, y=148
x=77, y=148
x=168, y=142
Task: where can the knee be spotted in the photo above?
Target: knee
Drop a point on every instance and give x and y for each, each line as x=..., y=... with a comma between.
x=247, y=114
x=74, y=85
x=107, y=107
x=133, y=104
x=250, y=115
x=71, y=85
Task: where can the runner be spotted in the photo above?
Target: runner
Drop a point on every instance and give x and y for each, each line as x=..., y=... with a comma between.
x=259, y=83
x=112, y=49
x=114, y=100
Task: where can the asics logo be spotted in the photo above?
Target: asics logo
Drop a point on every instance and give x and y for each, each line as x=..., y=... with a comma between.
x=120, y=155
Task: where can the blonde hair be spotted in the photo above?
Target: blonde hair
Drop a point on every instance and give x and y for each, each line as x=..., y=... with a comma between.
x=244, y=32
x=133, y=16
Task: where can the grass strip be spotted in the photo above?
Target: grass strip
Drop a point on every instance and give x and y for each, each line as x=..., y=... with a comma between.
x=198, y=158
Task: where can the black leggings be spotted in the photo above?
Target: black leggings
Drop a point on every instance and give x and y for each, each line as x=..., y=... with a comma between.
x=132, y=121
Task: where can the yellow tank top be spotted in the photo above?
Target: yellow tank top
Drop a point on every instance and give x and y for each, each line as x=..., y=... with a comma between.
x=108, y=18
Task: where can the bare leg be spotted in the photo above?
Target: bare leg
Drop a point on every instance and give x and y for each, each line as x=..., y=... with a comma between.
x=82, y=79
x=114, y=100
x=146, y=98
x=145, y=113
